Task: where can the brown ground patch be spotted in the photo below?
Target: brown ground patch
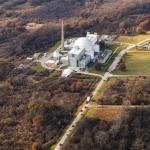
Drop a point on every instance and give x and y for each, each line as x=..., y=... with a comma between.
x=108, y=114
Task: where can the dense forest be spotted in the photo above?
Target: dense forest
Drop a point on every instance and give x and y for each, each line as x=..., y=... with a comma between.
x=127, y=92
x=129, y=132
x=35, y=107
x=119, y=128
x=103, y=16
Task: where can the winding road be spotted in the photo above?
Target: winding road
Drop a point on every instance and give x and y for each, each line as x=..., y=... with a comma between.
x=106, y=76
x=122, y=53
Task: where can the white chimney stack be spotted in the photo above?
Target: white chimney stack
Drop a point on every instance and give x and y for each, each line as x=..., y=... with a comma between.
x=62, y=35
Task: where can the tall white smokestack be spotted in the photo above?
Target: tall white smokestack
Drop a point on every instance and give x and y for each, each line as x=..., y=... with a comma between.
x=62, y=35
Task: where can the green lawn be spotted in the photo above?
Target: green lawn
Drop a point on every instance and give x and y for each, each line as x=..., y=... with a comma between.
x=136, y=63
x=37, y=67
x=55, y=74
x=112, y=46
x=133, y=39
x=55, y=46
x=105, y=66
x=53, y=147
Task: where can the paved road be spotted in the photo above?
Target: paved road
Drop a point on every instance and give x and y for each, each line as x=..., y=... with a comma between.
x=119, y=106
x=85, y=106
x=71, y=127
x=142, y=42
x=119, y=57
x=139, y=51
x=122, y=53
x=81, y=113
x=130, y=75
x=77, y=119
x=90, y=74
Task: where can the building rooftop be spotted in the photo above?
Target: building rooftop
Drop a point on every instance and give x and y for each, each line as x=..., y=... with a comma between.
x=76, y=51
x=84, y=43
x=67, y=72
x=92, y=37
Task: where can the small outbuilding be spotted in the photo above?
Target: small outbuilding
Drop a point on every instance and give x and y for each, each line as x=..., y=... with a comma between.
x=67, y=72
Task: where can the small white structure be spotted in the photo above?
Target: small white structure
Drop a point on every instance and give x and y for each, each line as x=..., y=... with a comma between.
x=147, y=46
x=29, y=58
x=67, y=72
x=21, y=66
x=88, y=99
x=56, y=54
x=49, y=62
x=107, y=38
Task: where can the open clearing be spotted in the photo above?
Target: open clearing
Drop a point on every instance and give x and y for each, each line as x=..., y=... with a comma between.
x=137, y=64
x=108, y=114
x=133, y=39
x=37, y=67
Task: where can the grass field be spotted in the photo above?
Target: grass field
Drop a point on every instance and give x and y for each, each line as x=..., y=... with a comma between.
x=37, y=67
x=53, y=147
x=104, y=67
x=133, y=39
x=108, y=114
x=136, y=63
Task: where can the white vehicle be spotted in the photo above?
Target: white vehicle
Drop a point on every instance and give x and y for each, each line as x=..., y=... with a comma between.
x=89, y=98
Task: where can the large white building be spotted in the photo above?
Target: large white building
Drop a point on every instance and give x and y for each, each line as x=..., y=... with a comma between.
x=84, y=51
x=79, y=52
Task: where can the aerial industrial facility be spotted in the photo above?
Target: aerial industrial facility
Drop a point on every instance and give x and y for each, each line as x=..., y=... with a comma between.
x=78, y=53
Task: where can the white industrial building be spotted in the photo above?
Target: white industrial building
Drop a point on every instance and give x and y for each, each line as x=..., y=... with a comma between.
x=79, y=52
x=84, y=51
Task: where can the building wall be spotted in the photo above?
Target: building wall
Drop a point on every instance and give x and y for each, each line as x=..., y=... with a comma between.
x=84, y=62
x=73, y=61
x=96, y=48
x=74, y=58
x=91, y=53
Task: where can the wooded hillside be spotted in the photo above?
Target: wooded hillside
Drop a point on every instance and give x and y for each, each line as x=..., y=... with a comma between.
x=103, y=16
x=35, y=107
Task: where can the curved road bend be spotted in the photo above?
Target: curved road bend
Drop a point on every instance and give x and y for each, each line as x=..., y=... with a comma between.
x=84, y=108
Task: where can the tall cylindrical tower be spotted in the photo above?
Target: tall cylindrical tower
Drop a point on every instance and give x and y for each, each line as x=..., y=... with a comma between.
x=62, y=35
